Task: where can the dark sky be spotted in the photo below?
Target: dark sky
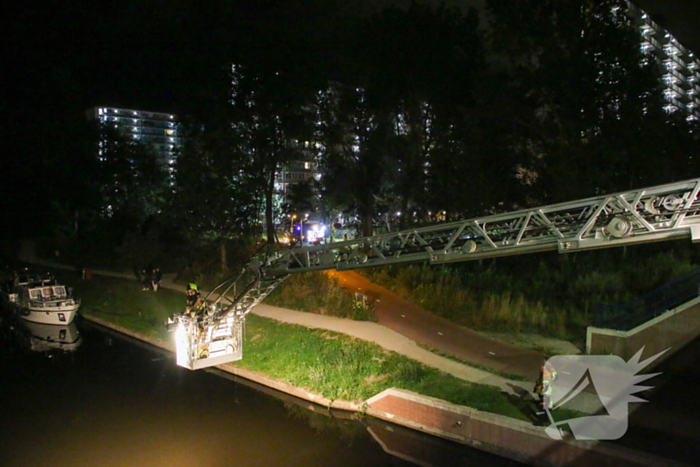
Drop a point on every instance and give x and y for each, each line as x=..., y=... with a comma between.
x=125, y=52
x=153, y=53
x=63, y=56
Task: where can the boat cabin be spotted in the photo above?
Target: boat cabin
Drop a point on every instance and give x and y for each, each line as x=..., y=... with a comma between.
x=54, y=292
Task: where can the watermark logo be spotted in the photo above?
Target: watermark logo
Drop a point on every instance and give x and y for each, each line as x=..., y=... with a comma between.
x=602, y=385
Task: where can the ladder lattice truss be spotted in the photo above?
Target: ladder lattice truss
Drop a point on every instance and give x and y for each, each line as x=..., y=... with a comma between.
x=639, y=216
x=658, y=213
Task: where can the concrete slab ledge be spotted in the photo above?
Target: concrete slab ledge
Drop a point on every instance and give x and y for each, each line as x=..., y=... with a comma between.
x=671, y=330
x=504, y=436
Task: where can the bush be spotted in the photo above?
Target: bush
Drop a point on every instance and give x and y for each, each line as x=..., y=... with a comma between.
x=318, y=292
x=549, y=294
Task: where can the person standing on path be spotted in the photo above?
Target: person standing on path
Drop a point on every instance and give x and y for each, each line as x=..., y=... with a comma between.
x=146, y=277
x=155, y=280
x=543, y=389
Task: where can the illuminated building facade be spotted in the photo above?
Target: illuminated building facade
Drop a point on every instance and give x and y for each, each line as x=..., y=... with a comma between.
x=680, y=68
x=297, y=171
x=157, y=130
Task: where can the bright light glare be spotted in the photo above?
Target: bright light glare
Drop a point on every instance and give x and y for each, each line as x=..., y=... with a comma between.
x=182, y=346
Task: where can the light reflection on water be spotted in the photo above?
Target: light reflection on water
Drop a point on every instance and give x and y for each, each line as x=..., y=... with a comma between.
x=109, y=402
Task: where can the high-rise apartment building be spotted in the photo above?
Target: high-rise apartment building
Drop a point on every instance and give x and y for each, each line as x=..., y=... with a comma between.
x=297, y=171
x=681, y=69
x=157, y=130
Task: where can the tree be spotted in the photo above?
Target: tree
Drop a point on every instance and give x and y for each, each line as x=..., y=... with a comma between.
x=424, y=65
x=302, y=197
x=273, y=116
x=583, y=100
x=132, y=182
x=217, y=195
x=354, y=138
x=409, y=78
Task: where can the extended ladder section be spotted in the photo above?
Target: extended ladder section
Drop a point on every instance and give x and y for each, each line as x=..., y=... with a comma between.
x=658, y=213
x=640, y=216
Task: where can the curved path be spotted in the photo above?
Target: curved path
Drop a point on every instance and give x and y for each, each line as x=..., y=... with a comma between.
x=440, y=334
x=390, y=340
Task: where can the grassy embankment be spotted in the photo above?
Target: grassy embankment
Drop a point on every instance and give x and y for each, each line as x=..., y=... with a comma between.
x=334, y=365
x=549, y=294
x=317, y=292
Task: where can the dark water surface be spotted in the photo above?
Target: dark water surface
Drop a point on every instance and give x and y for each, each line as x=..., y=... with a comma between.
x=97, y=399
x=668, y=425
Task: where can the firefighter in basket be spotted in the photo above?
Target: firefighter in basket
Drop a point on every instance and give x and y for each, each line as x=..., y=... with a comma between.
x=194, y=301
x=193, y=306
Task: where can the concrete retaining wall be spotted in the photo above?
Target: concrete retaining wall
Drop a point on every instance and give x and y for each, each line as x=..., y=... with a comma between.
x=500, y=435
x=673, y=329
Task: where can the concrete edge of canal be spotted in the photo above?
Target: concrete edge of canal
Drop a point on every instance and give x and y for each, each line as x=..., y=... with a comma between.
x=497, y=434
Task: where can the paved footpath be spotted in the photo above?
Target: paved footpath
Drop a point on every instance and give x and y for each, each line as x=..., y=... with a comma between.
x=440, y=334
x=373, y=332
x=390, y=340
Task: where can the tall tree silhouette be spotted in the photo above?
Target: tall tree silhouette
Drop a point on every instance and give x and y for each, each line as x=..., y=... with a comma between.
x=586, y=103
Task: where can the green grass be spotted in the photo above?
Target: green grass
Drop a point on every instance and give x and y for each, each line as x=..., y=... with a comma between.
x=122, y=302
x=341, y=367
x=322, y=362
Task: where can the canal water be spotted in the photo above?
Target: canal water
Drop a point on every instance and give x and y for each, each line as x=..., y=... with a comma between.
x=83, y=396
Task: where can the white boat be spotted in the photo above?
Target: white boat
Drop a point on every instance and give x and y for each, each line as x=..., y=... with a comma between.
x=41, y=299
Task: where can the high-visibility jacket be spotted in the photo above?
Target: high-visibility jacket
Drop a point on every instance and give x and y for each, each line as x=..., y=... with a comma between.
x=548, y=367
x=547, y=377
x=547, y=391
x=539, y=386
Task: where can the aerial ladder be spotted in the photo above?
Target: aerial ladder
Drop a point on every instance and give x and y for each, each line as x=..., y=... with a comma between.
x=663, y=212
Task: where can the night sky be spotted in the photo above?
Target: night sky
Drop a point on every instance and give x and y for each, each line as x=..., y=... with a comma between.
x=64, y=56
x=160, y=54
